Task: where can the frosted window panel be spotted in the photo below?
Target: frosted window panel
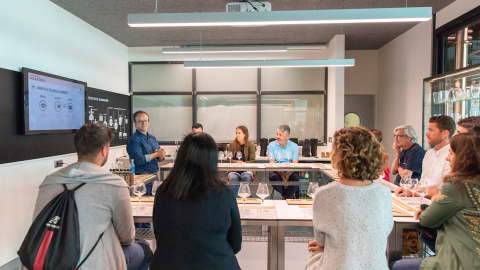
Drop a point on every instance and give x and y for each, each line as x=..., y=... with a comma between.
x=305, y=114
x=161, y=78
x=221, y=114
x=226, y=79
x=170, y=116
x=291, y=79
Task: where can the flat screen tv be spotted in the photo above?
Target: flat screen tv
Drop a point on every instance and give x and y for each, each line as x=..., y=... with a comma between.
x=52, y=104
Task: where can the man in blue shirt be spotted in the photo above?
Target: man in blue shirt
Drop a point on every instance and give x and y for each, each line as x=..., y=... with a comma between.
x=408, y=154
x=283, y=151
x=143, y=148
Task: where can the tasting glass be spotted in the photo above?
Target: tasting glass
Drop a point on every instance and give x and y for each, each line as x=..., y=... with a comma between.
x=244, y=192
x=421, y=189
x=229, y=156
x=239, y=155
x=155, y=186
x=405, y=183
x=263, y=192
x=221, y=156
x=312, y=186
x=139, y=190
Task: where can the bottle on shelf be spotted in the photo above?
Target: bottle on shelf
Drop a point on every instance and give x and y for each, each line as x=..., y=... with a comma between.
x=132, y=166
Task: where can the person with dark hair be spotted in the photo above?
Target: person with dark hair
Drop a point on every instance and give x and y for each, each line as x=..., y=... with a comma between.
x=455, y=211
x=379, y=136
x=352, y=217
x=103, y=204
x=469, y=124
x=434, y=164
x=143, y=148
x=408, y=153
x=247, y=149
x=195, y=214
x=283, y=151
x=197, y=127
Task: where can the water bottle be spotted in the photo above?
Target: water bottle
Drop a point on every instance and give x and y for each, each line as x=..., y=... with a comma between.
x=132, y=166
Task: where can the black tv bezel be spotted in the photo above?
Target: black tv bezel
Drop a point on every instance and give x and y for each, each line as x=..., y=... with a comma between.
x=25, y=90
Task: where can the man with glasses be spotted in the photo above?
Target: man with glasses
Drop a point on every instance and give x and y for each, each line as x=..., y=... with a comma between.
x=143, y=148
x=408, y=154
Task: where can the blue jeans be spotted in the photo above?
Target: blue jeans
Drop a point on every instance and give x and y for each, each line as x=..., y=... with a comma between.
x=236, y=177
x=137, y=256
x=286, y=192
x=407, y=264
x=429, y=236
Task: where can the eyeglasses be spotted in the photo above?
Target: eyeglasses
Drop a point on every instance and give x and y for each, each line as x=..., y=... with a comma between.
x=399, y=136
x=142, y=122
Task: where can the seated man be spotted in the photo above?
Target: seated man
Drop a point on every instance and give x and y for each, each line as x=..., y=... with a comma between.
x=103, y=204
x=469, y=124
x=408, y=154
x=197, y=127
x=283, y=151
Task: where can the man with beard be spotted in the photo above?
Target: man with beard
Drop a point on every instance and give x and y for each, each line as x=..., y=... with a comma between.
x=103, y=204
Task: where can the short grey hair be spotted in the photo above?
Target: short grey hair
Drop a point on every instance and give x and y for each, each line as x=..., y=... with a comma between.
x=284, y=128
x=409, y=131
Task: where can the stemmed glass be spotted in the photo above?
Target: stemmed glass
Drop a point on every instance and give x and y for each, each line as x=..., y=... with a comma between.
x=421, y=189
x=413, y=184
x=312, y=186
x=263, y=192
x=221, y=156
x=244, y=192
x=405, y=183
x=139, y=190
x=229, y=155
x=155, y=186
x=239, y=155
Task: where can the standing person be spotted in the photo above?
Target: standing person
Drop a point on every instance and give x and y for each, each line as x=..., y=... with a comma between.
x=408, y=154
x=143, y=148
x=379, y=136
x=352, y=217
x=456, y=211
x=197, y=127
x=195, y=214
x=247, y=149
x=283, y=151
x=103, y=204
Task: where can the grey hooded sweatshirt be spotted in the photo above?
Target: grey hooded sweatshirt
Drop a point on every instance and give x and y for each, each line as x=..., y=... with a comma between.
x=103, y=205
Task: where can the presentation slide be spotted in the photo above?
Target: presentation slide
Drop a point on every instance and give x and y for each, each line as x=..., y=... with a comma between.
x=55, y=104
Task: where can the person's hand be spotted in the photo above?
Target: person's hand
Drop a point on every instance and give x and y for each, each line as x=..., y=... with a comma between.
x=161, y=153
x=396, y=148
x=313, y=246
x=399, y=191
x=417, y=214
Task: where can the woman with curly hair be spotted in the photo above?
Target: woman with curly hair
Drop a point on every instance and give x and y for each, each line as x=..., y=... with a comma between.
x=456, y=211
x=352, y=217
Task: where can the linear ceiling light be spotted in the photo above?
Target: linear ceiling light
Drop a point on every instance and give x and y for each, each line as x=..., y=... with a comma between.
x=281, y=17
x=270, y=63
x=226, y=49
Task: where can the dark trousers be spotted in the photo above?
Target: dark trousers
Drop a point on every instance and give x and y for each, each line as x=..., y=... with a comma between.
x=429, y=236
x=287, y=192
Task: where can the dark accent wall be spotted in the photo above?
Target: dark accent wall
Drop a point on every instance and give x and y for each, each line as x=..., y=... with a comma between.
x=15, y=146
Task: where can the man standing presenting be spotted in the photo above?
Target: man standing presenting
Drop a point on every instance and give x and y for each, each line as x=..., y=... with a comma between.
x=408, y=154
x=435, y=166
x=103, y=204
x=143, y=148
x=283, y=151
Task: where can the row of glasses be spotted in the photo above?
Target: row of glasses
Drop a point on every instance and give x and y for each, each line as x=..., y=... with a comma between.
x=244, y=192
x=456, y=94
x=229, y=155
x=140, y=189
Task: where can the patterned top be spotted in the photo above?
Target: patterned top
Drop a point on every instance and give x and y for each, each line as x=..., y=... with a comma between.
x=457, y=214
x=353, y=224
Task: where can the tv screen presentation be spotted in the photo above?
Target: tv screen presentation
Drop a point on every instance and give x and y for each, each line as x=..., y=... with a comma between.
x=52, y=104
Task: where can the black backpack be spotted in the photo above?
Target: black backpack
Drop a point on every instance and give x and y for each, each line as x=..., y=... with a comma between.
x=53, y=240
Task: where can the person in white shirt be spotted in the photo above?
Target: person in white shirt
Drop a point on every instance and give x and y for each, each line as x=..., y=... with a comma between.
x=434, y=165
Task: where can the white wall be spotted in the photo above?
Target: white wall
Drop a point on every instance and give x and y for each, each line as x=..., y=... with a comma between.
x=362, y=78
x=403, y=63
x=40, y=35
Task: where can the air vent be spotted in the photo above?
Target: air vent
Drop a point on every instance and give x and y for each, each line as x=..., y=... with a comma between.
x=249, y=6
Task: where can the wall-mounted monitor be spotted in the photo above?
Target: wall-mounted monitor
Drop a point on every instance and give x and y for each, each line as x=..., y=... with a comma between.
x=52, y=104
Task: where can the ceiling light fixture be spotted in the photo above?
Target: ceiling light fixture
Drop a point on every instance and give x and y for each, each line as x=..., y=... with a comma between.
x=412, y=14
x=271, y=63
x=226, y=49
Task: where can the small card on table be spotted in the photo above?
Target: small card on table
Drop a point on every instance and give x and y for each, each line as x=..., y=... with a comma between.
x=299, y=202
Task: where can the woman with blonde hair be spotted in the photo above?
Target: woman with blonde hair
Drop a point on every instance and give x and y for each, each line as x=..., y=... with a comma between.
x=247, y=149
x=352, y=217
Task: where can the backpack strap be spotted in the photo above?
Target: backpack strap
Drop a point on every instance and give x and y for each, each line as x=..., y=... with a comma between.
x=77, y=187
x=91, y=250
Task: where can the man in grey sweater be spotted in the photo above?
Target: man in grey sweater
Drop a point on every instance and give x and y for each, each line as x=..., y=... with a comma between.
x=103, y=204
